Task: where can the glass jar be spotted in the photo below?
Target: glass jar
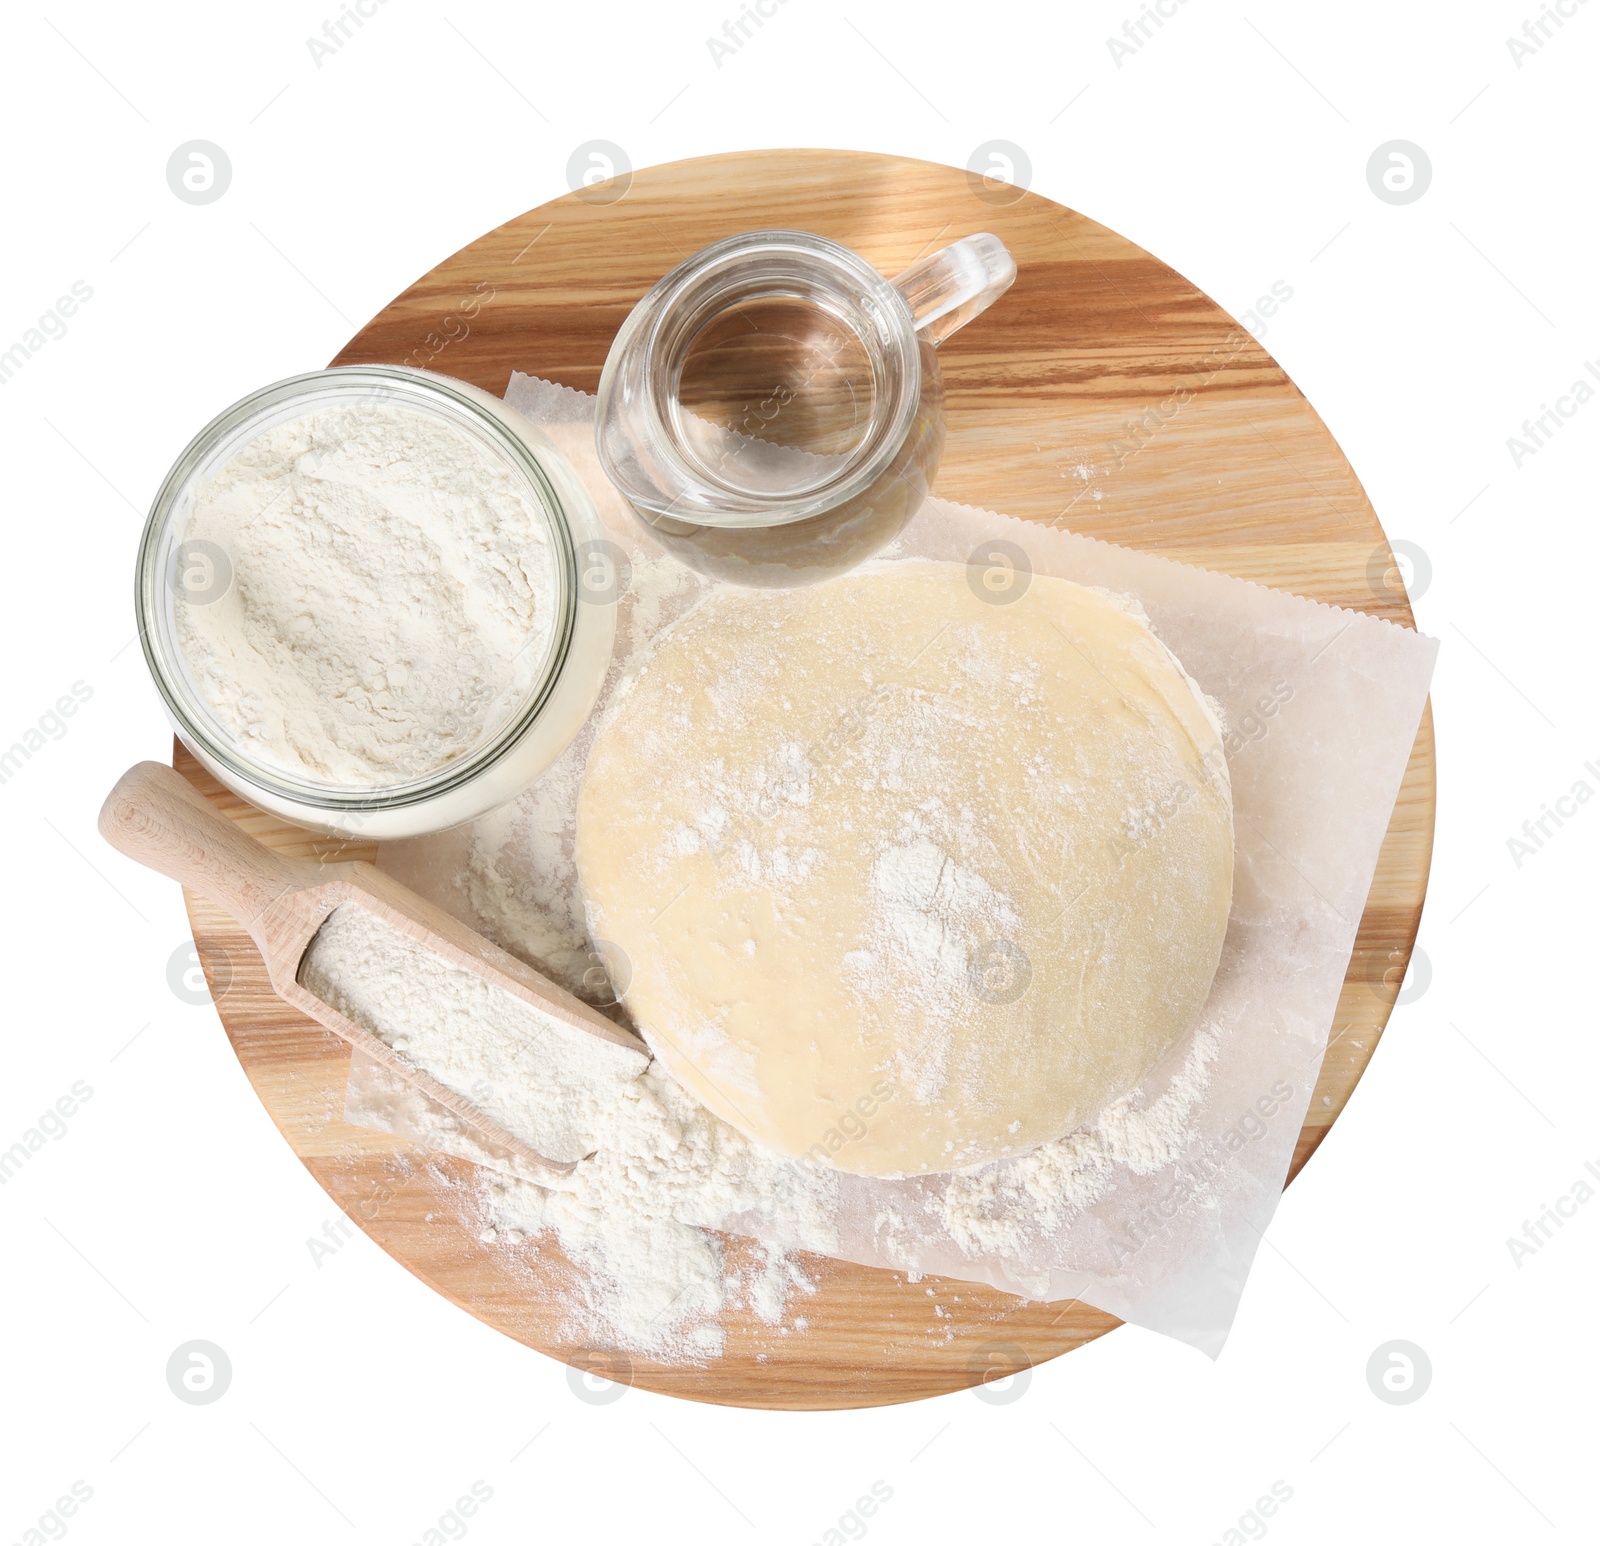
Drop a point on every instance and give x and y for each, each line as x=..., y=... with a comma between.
x=172, y=574
x=772, y=408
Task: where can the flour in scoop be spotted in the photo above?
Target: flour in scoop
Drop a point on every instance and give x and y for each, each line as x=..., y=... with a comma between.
x=539, y=1079
x=391, y=592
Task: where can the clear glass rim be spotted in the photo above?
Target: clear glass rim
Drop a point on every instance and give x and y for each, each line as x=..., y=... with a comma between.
x=154, y=603
x=673, y=306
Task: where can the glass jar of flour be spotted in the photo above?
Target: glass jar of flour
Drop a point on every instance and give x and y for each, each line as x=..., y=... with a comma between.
x=374, y=600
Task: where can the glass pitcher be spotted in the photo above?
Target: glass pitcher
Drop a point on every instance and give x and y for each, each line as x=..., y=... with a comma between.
x=772, y=407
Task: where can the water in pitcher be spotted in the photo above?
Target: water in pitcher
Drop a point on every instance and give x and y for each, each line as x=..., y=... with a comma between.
x=772, y=408
x=776, y=400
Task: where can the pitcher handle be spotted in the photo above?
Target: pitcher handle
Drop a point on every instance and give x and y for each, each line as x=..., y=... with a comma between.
x=946, y=290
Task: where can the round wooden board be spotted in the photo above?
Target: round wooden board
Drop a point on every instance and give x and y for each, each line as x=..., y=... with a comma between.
x=1096, y=333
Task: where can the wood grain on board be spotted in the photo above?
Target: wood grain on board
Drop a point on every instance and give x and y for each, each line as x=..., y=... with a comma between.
x=1103, y=392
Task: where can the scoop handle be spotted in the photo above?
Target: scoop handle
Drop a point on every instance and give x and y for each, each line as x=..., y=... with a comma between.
x=156, y=816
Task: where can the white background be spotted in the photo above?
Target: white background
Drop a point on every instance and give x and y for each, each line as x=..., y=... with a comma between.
x=1233, y=145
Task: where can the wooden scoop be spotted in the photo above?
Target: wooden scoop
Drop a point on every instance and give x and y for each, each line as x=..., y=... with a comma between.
x=156, y=816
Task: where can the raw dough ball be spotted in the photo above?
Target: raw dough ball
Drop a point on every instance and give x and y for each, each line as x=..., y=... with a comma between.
x=909, y=880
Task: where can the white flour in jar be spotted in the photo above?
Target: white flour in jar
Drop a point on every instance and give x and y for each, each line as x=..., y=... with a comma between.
x=391, y=594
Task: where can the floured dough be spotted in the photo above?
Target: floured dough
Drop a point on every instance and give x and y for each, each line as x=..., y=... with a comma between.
x=908, y=880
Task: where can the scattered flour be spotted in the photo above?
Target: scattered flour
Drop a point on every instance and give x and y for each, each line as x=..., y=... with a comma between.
x=532, y=909
x=520, y=879
x=636, y=1216
x=1002, y=1210
x=392, y=594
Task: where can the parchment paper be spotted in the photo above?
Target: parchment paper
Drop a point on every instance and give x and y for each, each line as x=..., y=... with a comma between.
x=1323, y=706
